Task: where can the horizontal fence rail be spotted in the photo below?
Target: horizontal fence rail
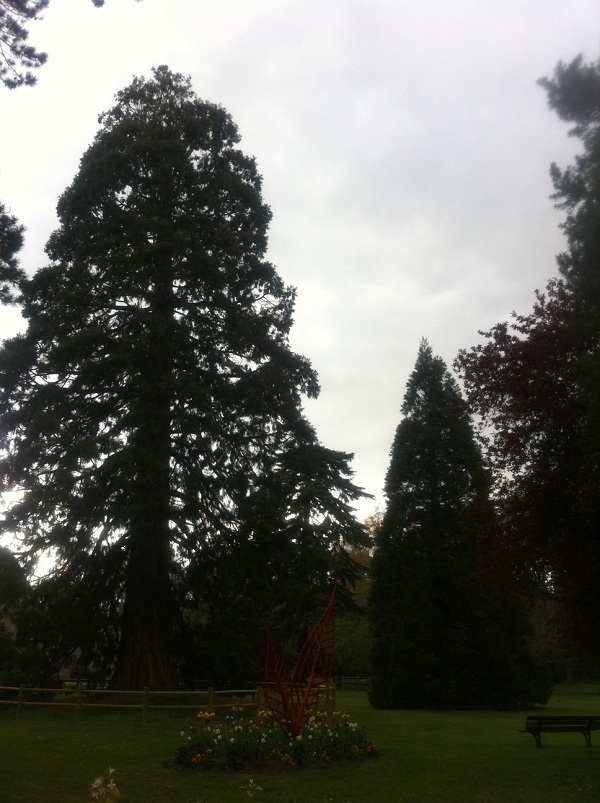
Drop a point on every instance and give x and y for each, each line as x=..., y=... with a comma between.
x=77, y=697
x=143, y=701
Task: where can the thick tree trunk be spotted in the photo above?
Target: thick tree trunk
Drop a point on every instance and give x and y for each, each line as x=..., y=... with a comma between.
x=144, y=657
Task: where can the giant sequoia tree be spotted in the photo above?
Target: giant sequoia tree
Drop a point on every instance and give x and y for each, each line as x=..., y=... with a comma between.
x=442, y=637
x=151, y=412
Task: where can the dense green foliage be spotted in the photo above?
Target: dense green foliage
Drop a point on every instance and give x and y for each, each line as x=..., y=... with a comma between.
x=442, y=637
x=524, y=383
x=574, y=93
x=11, y=242
x=17, y=57
x=535, y=386
x=152, y=415
x=353, y=636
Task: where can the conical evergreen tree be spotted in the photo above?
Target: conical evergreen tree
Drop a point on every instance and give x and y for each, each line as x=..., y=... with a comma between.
x=151, y=413
x=441, y=638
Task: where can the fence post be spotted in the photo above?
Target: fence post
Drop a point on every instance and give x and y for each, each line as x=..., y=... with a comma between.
x=79, y=701
x=209, y=700
x=330, y=698
x=145, y=706
x=259, y=698
x=20, y=700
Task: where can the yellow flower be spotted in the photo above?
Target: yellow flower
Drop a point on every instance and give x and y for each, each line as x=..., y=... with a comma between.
x=206, y=715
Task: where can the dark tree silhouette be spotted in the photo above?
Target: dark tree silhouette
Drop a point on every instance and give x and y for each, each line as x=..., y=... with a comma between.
x=152, y=409
x=443, y=638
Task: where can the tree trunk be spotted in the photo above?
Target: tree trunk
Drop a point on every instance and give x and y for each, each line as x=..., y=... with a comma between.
x=143, y=656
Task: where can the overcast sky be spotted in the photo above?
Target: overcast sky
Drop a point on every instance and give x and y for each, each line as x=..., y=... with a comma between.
x=405, y=150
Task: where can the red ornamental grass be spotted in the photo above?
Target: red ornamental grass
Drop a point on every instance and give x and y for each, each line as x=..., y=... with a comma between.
x=292, y=695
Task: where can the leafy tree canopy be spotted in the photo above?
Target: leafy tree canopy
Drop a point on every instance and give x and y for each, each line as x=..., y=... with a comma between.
x=524, y=383
x=152, y=409
x=574, y=93
x=535, y=384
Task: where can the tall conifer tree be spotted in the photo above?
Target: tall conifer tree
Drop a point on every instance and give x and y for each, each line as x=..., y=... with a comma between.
x=574, y=94
x=441, y=639
x=151, y=412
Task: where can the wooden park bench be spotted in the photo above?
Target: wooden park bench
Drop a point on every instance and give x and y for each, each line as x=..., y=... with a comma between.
x=570, y=724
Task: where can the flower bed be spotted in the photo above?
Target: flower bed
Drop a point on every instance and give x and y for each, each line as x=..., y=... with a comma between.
x=239, y=743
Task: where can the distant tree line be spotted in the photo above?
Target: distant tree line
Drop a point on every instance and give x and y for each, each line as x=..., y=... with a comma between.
x=488, y=530
x=154, y=443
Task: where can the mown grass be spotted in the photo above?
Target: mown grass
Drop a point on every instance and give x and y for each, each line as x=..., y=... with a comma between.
x=424, y=756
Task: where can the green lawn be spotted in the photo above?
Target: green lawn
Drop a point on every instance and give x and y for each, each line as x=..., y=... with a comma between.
x=425, y=756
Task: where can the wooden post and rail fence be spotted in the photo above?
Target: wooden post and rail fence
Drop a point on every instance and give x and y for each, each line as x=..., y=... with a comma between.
x=78, y=696
x=144, y=701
